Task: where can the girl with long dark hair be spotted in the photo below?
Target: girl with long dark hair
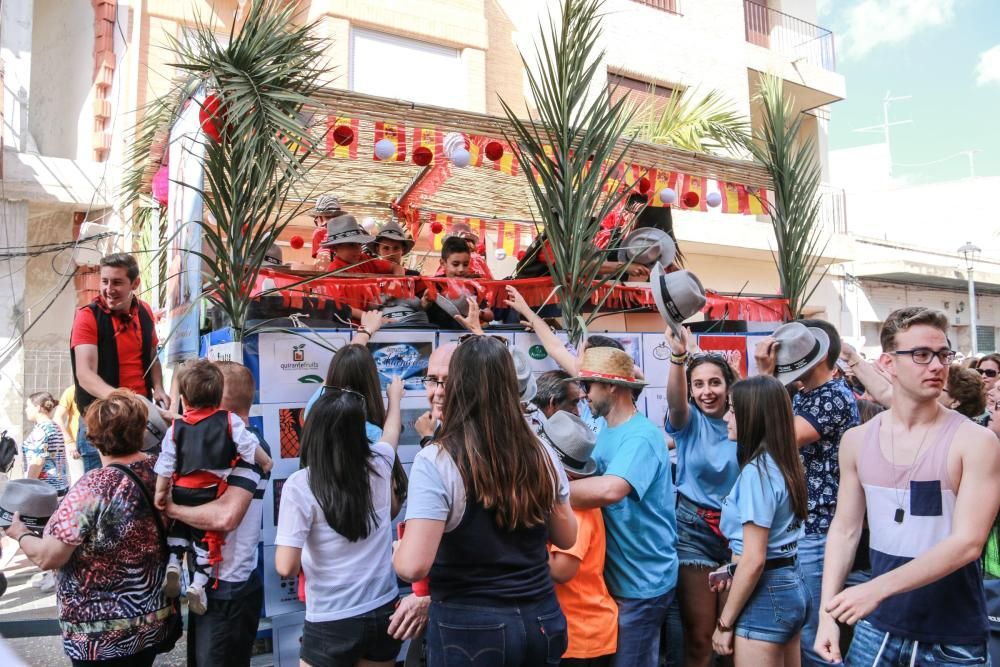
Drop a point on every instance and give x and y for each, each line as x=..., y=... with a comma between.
x=697, y=387
x=334, y=523
x=762, y=517
x=485, y=499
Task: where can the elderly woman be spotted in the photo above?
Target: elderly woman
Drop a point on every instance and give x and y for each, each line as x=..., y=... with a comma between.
x=105, y=540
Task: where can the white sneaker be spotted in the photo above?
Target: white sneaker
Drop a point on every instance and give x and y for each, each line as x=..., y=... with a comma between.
x=172, y=582
x=48, y=582
x=197, y=599
x=37, y=579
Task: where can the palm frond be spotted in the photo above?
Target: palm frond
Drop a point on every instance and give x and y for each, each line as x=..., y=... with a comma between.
x=707, y=123
x=794, y=167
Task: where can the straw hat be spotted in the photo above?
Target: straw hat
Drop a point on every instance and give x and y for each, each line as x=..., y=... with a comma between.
x=608, y=365
x=391, y=231
x=33, y=498
x=678, y=296
x=345, y=229
x=648, y=246
x=527, y=388
x=800, y=349
x=326, y=206
x=573, y=441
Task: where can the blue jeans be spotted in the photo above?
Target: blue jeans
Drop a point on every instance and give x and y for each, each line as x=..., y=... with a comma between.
x=470, y=635
x=639, y=623
x=89, y=454
x=873, y=648
x=777, y=608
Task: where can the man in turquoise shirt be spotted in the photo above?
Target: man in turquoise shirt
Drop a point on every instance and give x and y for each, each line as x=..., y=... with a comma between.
x=636, y=495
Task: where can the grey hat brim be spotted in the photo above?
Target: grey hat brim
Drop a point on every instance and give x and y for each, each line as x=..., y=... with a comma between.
x=789, y=377
x=677, y=326
x=357, y=238
x=589, y=471
x=34, y=522
x=448, y=306
x=667, y=247
x=393, y=236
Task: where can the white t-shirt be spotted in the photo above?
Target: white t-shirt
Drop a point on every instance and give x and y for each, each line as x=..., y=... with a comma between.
x=343, y=578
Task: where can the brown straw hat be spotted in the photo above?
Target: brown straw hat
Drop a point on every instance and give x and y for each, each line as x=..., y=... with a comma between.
x=608, y=365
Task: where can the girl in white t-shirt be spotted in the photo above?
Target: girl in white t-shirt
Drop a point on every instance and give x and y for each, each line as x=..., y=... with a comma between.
x=334, y=524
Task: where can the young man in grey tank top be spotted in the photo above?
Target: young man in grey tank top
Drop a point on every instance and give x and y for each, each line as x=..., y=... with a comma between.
x=927, y=478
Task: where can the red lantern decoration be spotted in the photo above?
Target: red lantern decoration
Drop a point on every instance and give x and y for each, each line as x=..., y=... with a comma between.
x=690, y=199
x=296, y=242
x=210, y=116
x=436, y=228
x=422, y=156
x=494, y=150
x=343, y=135
x=520, y=255
x=643, y=185
x=481, y=248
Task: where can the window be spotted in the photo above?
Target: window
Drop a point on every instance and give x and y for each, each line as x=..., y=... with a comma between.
x=986, y=339
x=672, y=6
x=639, y=92
x=391, y=66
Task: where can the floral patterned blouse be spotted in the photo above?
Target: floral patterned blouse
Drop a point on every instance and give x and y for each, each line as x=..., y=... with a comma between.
x=110, y=595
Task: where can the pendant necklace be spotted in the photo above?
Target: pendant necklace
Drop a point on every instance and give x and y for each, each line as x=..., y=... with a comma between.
x=900, y=512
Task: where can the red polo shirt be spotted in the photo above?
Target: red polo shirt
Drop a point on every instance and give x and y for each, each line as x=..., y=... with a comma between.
x=128, y=336
x=319, y=235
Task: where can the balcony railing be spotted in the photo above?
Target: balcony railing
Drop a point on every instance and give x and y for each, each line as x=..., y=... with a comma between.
x=788, y=35
x=672, y=6
x=833, y=209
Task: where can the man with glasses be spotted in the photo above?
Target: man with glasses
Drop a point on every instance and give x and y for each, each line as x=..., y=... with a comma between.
x=926, y=477
x=435, y=381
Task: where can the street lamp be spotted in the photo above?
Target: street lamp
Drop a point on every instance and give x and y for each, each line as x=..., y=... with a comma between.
x=969, y=252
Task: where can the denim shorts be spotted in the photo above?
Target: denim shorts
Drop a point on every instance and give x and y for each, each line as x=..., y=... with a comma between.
x=697, y=544
x=777, y=608
x=348, y=640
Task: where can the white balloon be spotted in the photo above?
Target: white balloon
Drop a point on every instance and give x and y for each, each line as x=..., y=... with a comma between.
x=668, y=196
x=452, y=142
x=501, y=254
x=713, y=198
x=384, y=149
x=461, y=157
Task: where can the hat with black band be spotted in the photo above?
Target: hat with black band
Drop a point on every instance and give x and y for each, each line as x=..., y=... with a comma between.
x=34, y=499
x=799, y=350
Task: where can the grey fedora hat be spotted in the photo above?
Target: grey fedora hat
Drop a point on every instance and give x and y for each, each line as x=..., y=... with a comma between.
x=678, y=296
x=392, y=231
x=800, y=349
x=33, y=498
x=453, y=305
x=573, y=441
x=345, y=229
x=403, y=311
x=326, y=205
x=156, y=426
x=273, y=255
x=527, y=387
x=648, y=246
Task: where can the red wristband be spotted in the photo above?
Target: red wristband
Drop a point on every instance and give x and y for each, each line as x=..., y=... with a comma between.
x=422, y=587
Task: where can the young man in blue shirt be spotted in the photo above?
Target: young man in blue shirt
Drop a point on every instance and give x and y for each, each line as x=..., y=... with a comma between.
x=635, y=492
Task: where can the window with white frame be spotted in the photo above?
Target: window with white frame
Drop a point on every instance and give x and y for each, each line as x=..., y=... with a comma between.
x=392, y=66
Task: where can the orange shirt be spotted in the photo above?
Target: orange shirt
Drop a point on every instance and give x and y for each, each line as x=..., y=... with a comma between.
x=591, y=613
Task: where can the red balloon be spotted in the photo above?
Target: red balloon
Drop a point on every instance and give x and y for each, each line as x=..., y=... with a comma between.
x=643, y=185
x=210, y=115
x=481, y=248
x=436, y=228
x=494, y=150
x=343, y=135
x=422, y=156
x=690, y=199
x=296, y=242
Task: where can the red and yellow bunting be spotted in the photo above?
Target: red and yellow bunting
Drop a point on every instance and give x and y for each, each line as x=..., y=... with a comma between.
x=394, y=132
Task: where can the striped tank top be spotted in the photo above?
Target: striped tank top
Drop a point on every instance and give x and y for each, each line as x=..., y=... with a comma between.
x=951, y=610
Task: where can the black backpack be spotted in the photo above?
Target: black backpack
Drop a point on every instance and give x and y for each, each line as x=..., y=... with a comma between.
x=8, y=450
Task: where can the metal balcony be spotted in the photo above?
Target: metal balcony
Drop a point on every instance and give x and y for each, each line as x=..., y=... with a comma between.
x=788, y=35
x=672, y=6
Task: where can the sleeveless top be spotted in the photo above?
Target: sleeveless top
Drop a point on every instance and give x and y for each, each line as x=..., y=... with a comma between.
x=951, y=610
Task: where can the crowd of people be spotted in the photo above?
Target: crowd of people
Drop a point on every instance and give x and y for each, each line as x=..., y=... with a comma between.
x=829, y=508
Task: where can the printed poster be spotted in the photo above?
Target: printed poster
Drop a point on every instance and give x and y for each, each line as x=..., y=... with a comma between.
x=292, y=366
x=403, y=353
x=733, y=348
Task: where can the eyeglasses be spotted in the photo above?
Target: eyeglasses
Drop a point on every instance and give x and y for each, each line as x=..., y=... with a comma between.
x=431, y=383
x=988, y=372
x=924, y=355
x=469, y=336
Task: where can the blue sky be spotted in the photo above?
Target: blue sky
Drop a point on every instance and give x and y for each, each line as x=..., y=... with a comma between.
x=946, y=54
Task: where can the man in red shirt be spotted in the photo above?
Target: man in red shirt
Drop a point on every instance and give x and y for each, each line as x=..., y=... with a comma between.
x=113, y=345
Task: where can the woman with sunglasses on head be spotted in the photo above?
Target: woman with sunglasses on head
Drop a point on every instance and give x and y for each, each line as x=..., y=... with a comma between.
x=763, y=518
x=697, y=390
x=334, y=524
x=989, y=368
x=485, y=500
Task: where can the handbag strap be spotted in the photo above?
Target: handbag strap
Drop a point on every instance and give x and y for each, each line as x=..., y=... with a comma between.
x=149, y=500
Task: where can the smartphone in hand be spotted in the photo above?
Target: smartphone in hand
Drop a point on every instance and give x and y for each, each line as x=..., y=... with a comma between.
x=718, y=578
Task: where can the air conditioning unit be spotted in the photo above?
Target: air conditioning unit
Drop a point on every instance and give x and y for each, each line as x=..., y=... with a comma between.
x=95, y=241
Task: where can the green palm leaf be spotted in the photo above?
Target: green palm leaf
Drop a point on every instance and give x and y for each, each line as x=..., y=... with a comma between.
x=706, y=123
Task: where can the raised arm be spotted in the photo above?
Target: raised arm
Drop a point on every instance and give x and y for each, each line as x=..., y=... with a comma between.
x=393, y=417
x=677, y=390
x=555, y=347
x=871, y=378
x=841, y=542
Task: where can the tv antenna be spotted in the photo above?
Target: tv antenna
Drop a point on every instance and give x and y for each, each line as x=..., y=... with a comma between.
x=884, y=126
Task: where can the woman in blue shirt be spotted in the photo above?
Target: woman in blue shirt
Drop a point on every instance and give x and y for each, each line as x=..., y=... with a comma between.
x=697, y=390
x=762, y=517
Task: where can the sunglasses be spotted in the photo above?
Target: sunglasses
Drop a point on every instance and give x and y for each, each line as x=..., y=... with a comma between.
x=469, y=336
x=987, y=372
x=329, y=390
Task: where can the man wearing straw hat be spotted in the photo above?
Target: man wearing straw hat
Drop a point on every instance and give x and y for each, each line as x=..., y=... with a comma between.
x=635, y=491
